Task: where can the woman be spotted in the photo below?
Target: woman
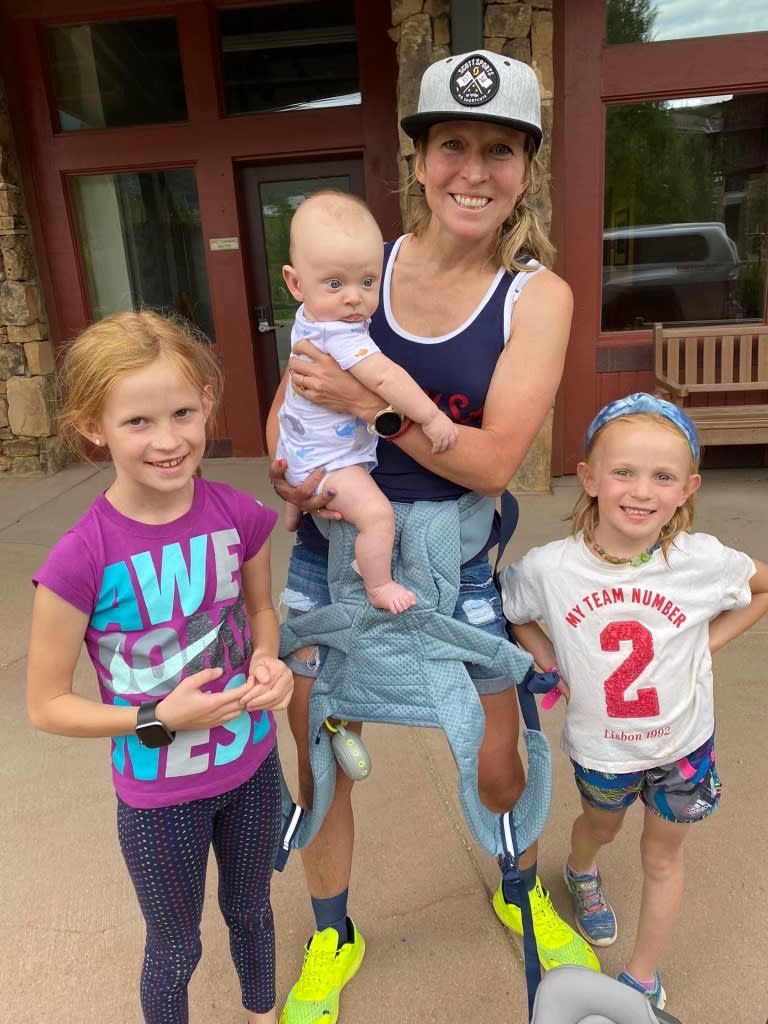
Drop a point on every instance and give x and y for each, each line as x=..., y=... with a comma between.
x=469, y=311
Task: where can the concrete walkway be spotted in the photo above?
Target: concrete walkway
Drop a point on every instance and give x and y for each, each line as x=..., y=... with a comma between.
x=71, y=935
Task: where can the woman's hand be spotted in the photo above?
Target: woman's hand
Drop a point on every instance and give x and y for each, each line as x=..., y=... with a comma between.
x=303, y=496
x=320, y=379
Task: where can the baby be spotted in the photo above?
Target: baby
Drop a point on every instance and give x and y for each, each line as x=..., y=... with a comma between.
x=337, y=250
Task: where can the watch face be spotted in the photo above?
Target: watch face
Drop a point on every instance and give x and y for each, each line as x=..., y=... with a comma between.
x=153, y=735
x=388, y=423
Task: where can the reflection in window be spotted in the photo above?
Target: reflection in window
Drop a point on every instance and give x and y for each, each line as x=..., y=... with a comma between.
x=686, y=211
x=651, y=21
x=113, y=74
x=142, y=243
x=289, y=56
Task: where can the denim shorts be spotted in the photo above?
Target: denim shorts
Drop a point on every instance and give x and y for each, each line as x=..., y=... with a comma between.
x=478, y=605
x=684, y=791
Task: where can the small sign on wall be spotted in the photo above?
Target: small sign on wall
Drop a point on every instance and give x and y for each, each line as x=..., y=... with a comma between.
x=222, y=244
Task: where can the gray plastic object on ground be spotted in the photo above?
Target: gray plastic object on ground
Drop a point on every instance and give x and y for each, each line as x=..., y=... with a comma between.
x=576, y=995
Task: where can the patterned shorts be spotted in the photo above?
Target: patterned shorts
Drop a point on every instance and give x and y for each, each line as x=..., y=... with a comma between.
x=683, y=792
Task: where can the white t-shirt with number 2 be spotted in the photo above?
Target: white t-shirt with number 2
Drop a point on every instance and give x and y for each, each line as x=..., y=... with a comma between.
x=632, y=642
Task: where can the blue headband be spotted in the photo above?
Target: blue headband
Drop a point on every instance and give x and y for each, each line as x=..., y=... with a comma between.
x=642, y=402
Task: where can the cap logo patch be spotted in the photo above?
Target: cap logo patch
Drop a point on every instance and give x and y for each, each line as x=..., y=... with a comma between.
x=474, y=82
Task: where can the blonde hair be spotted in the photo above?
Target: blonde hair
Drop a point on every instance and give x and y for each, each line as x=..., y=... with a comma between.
x=92, y=363
x=520, y=235
x=585, y=516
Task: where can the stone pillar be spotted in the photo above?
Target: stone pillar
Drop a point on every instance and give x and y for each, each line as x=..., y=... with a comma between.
x=28, y=440
x=422, y=32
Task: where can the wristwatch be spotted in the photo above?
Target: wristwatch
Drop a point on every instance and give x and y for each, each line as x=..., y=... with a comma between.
x=151, y=731
x=387, y=422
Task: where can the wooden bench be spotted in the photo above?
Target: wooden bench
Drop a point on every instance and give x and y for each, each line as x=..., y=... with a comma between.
x=727, y=360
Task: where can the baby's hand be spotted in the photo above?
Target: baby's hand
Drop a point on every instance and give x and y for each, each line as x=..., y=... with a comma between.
x=441, y=431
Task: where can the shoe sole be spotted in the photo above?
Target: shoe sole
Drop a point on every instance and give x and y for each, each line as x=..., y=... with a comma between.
x=593, y=942
x=596, y=942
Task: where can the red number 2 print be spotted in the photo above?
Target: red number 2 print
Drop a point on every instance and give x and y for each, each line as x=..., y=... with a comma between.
x=646, y=704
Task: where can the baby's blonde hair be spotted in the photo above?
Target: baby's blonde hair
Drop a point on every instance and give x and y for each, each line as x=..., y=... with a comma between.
x=585, y=516
x=340, y=209
x=520, y=235
x=92, y=363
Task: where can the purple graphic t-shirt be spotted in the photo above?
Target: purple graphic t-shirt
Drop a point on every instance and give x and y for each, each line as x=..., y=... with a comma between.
x=163, y=603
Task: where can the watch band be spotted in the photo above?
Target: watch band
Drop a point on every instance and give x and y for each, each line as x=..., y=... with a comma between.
x=149, y=729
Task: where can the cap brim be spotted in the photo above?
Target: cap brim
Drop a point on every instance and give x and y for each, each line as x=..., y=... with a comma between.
x=416, y=125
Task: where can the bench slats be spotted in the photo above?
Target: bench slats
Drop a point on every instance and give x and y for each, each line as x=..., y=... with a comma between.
x=716, y=361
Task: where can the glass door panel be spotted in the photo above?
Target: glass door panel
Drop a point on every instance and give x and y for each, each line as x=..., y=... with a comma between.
x=271, y=196
x=142, y=243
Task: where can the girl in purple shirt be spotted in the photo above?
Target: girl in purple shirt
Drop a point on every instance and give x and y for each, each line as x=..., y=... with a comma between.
x=166, y=579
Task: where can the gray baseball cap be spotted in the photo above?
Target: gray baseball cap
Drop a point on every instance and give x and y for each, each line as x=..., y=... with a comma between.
x=480, y=86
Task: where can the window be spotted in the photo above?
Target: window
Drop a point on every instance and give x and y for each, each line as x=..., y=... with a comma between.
x=142, y=243
x=289, y=56
x=651, y=21
x=112, y=74
x=686, y=211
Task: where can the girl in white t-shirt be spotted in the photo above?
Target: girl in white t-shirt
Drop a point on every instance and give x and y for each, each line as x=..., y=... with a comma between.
x=634, y=605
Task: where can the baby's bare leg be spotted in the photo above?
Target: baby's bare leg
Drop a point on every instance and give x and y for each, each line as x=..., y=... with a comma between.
x=361, y=503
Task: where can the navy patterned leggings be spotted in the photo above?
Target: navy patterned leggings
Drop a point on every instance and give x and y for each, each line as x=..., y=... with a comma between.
x=166, y=850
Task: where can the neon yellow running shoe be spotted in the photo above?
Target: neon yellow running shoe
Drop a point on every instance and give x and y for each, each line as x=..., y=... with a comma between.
x=314, y=999
x=556, y=941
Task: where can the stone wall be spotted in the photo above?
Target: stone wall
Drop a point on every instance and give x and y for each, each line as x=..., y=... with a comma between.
x=28, y=441
x=422, y=32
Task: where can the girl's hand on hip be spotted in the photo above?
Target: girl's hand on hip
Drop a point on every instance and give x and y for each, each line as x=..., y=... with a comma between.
x=303, y=496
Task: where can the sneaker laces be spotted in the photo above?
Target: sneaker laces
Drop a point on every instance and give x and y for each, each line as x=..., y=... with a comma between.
x=319, y=968
x=546, y=918
x=589, y=894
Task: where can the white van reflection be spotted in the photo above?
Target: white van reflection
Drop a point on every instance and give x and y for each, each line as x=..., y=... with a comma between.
x=668, y=273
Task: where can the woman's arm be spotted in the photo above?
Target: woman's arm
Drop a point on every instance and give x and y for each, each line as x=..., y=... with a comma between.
x=522, y=391
x=728, y=625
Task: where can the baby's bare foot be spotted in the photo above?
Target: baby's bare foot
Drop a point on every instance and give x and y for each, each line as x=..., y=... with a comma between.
x=391, y=597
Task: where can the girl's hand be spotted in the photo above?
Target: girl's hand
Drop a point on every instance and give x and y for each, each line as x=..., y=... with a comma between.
x=189, y=707
x=272, y=684
x=303, y=496
x=320, y=379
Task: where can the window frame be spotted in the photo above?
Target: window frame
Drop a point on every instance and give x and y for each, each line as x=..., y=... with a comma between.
x=590, y=76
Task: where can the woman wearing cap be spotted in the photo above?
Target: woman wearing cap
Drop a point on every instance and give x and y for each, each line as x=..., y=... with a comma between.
x=469, y=310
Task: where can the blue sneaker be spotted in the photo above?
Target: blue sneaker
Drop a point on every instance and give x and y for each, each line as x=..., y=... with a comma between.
x=655, y=994
x=594, y=915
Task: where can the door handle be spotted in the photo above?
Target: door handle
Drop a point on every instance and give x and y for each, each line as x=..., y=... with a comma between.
x=262, y=320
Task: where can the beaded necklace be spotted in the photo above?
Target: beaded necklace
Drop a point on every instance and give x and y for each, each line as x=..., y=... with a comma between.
x=635, y=560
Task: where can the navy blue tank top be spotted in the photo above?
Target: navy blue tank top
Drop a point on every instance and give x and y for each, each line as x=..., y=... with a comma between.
x=455, y=371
